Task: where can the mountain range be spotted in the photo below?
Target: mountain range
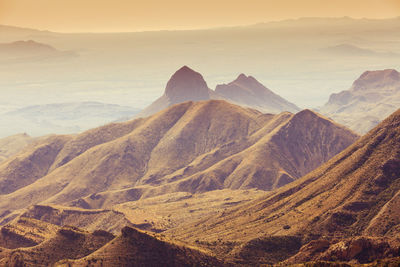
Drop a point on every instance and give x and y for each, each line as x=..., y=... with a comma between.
x=190, y=147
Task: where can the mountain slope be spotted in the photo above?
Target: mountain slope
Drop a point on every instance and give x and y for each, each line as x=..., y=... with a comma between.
x=190, y=147
x=31, y=164
x=247, y=91
x=353, y=194
x=11, y=145
x=372, y=97
x=188, y=85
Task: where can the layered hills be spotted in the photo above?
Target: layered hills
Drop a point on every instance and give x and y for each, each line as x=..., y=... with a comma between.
x=344, y=210
x=372, y=97
x=188, y=85
x=191, y=147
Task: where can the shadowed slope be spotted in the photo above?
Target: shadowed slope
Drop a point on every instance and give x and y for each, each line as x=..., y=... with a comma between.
x=134, y=248
x=68, y=243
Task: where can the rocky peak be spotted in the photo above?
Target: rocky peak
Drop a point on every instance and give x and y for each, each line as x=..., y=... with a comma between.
x=185, y=85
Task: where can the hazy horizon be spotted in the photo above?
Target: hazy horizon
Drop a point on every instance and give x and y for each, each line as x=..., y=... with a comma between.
x=269, y=22
x=133, y=16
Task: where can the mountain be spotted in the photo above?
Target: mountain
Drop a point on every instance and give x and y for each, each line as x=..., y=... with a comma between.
x=372, y=97
x=191, y=147
x=188, y=85
x=30, y=51
x=342, y=209
x=62, y=118
x=247, y=91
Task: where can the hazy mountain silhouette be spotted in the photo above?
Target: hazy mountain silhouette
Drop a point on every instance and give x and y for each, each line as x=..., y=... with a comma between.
x=372, y=97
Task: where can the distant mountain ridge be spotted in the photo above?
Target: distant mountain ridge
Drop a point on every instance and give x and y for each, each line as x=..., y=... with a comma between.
x=372, y=97
x=188, y=85
x=63, y=118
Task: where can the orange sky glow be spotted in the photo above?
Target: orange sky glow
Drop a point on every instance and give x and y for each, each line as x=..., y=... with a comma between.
x=138, y=15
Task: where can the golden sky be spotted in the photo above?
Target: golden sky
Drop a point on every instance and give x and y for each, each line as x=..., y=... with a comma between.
x=137, y=15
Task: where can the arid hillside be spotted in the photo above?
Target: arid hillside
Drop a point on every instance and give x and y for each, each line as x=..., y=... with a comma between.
x=190, y=147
